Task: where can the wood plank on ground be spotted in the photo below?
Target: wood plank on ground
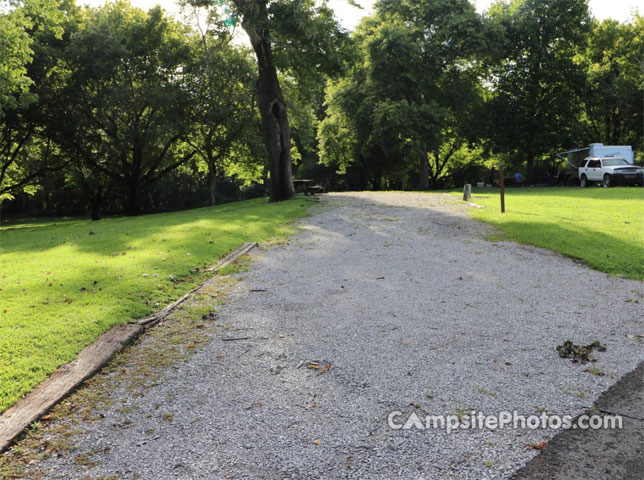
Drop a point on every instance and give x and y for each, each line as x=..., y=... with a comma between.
x=63, y=381
x=68, y=377
x=225, y=261
x=232, y=256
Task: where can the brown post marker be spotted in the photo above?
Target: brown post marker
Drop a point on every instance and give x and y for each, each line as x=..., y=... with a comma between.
x=502, y=187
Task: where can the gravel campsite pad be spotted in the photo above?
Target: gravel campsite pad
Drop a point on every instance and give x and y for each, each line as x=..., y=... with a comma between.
x=383, y=302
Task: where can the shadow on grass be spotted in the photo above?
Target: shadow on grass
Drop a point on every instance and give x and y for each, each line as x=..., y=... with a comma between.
x=10, y=224
x=57, y=301
x=115, y=235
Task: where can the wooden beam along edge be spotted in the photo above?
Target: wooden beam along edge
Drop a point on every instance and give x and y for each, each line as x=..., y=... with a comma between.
x=89, y=361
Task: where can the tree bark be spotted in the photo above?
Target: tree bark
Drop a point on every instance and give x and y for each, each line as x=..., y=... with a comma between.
x=377, y=180
x=423, y=182
x=530, y=169
x=212, y=186
x=132, y=206
x=95, y=209
x=275, y=125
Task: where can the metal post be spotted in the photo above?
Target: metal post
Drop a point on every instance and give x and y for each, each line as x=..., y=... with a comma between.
x=502, y=187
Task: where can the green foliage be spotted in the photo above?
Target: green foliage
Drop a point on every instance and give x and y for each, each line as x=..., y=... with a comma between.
x=412, y=95
x=614, y=62
x=125, y=95
x=20, y=21
x=537, y=85
x=25, y=151
x=336, y=133
x=63, y=287
x=118, y=109
x=122, y=98
x=434, y=78
x=308, y=41
x=225, y=129
x=15, y=54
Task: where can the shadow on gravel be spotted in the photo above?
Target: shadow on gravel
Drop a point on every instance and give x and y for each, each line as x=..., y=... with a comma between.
x=599, y=454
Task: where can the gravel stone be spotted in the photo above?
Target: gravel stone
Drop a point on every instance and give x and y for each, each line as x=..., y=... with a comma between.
x=398, y=300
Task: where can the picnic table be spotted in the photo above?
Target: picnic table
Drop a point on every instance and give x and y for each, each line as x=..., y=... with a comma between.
x=307, y=186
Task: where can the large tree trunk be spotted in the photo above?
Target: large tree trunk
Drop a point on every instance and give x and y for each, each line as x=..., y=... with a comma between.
x=277, y=133
x=377, y=180
x=134, y=179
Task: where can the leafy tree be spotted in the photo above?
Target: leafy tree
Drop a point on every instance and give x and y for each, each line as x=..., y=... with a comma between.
x=220, y=80
x=76, y=141
x=125, y=96
x=409, y=100
x=15, y=55
x=24, y=155
x=535, y=107
x=297, y=37
x=614, y=65
x=20, y=22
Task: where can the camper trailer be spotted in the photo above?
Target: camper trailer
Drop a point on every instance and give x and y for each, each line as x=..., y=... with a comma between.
x=577, y=158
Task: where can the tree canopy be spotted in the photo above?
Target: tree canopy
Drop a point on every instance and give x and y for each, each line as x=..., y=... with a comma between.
x=119, y=110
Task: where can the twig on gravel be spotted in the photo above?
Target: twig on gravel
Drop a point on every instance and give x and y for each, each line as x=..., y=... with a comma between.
x=319, y=366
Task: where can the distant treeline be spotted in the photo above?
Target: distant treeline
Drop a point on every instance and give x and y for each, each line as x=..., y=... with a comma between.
x=117, y=110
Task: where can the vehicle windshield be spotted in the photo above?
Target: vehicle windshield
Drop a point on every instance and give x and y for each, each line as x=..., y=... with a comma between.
x=611, y=162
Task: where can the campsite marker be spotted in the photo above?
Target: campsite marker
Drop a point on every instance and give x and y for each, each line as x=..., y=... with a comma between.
x=502, y=187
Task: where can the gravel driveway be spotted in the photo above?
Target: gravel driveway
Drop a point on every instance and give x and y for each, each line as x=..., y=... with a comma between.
x=383, y=302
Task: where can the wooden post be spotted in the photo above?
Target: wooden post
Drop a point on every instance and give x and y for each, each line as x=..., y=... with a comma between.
x=467, y=192
x=502, y=187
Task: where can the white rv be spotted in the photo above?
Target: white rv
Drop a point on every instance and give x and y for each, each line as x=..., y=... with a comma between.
x=599, y=150
x=576, y=158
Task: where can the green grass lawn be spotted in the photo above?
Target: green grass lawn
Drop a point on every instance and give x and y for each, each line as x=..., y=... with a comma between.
x=602, y=227
x=60, y=287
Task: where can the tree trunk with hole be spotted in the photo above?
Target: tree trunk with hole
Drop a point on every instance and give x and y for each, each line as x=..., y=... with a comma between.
x=277, y=133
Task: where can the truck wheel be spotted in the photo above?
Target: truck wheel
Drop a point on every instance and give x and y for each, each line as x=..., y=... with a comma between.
x=583, y=181
x=606, y=183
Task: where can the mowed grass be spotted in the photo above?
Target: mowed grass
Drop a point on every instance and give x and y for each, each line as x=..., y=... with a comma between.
x=61, y=287
x=601, y=227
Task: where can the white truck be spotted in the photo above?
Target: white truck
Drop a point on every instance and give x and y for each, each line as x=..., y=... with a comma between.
x=608, y=164
x=609, y=171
